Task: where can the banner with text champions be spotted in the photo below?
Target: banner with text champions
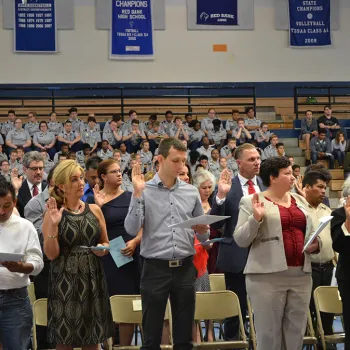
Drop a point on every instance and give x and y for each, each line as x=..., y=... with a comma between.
x=131, y=34
x=35, y=26
x=309, y=23
x=217, y=12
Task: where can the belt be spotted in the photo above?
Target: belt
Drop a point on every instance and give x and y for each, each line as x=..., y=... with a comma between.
x=6, y=291
x=330, y=262
x=171, y=263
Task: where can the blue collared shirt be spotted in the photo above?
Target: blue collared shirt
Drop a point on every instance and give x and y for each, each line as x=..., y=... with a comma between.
x=157, y=209
x=87, y=192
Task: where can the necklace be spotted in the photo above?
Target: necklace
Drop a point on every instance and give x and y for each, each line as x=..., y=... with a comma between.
x=75, y=211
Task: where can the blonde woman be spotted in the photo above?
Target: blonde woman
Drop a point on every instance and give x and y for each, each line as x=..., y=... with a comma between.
x=79, y=312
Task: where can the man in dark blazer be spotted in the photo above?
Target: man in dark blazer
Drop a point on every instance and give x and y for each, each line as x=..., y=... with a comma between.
x=340, y=231
x=33, y=167
x=231, y=258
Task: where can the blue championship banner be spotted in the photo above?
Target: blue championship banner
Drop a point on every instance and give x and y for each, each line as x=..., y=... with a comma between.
x=217, y=12
x=35, y=26
x=131, y=34
x=309, y=23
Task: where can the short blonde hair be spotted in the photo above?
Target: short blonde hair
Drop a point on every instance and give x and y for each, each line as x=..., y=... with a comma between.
x=202, y=176
x=61, y=176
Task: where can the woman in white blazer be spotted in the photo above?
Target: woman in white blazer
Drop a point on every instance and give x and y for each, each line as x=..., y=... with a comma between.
x=275, y=225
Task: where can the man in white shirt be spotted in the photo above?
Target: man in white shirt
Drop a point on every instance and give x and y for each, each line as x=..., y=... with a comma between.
x=314, y=189
x=17, y=236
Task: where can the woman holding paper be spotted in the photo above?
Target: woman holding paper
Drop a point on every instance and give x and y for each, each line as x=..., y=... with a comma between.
x=79, y=313
x=275, y=225
x=114, y=203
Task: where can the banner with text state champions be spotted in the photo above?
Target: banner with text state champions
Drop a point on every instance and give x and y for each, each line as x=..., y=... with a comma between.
x=131, y=34
x=309, y=23
x=217, y=12
x=35, y=26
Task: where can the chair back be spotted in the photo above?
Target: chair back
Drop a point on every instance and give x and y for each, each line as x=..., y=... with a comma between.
x=327, y=300
x=217, y=282
x=123, y=309
x=31, y=293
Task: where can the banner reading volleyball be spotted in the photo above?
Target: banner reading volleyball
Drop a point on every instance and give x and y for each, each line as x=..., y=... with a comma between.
x=218, y=12
x=309, y=23
x=131, y=31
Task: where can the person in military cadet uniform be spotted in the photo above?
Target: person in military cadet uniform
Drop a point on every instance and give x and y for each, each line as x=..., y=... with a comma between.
x=45, y=140
x=120, y=124
x=128, y=124
x=113, y=135
x=134, y=137
x=96, y=127
x=167, y=124
x=53, y=125
x=70, y=137
x=146, y=156
x=3, y=156
x=10, y=124
x=18, y=137
x=14, y=163
x=90, y=135
x=48, y=163
x=83, y=155
x=33, y=125
x=149, y=125
x=77, y=123
x=5, y=170
x=105, y=152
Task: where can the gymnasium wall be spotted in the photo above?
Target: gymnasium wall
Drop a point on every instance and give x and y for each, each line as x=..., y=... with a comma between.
x=260, y=55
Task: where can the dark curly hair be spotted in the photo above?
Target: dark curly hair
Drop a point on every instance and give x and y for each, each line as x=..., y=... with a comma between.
x=272, y=167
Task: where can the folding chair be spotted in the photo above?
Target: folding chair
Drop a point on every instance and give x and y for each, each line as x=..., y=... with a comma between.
x=327, y=300
x=218, y=306
x=217, y=284
x=40, y=318
x=123, y=311
x=252, y=334
x=310, y=339
x=31, y=293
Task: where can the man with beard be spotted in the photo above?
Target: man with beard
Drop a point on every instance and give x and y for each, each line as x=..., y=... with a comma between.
x=231, y=258
x=33, y=167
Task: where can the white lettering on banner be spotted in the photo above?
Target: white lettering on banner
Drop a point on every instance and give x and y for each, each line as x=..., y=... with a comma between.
x=131, y=3
x=310, y=23
x=310, y=8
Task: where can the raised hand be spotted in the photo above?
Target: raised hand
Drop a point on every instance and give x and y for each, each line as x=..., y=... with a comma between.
x=258, y=208
x=138, y=180
x=15, y=180
x=99, y=196
x=224, y=184
x=299, y=186
x=54, y=215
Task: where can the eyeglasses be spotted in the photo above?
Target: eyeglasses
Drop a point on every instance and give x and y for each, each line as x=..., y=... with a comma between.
x=36, y=168
x=114, y=172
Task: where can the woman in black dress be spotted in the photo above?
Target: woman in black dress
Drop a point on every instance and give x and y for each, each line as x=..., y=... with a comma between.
x=114, y=203
x=79, y=313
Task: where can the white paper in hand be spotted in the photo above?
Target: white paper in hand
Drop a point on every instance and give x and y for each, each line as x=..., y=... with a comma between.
x=200, y=220
x=323, y=223
x=11, y=257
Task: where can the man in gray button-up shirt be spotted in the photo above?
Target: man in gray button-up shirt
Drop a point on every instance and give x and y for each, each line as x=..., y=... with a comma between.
x=167, y=252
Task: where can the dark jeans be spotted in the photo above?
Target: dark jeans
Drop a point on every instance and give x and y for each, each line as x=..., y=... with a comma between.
x=132, y=148
x=158, y=282
x=235, y=282
x=51, y=151
x=75, y=148
x=344, y=290
x=330, y=158
x=263, y=144
x=194, y=145
x=16, y=319
x=322, y=276
x=339, y=156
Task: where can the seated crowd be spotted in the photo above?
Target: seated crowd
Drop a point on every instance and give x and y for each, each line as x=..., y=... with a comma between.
x=80, y=189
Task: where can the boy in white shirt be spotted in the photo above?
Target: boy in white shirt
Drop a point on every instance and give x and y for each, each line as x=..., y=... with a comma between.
x=18, y=236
